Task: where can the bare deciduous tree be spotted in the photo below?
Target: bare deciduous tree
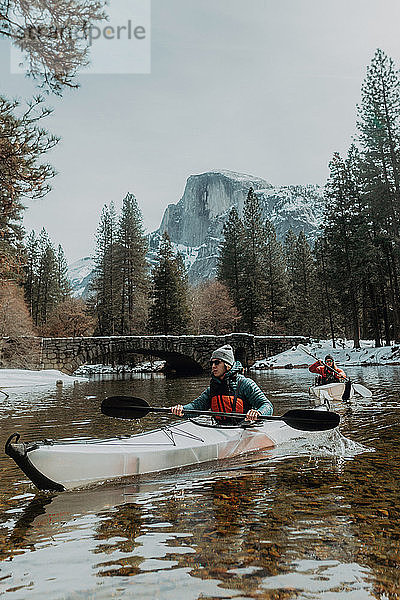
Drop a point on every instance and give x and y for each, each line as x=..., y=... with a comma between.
x=213, y=310
x=53, y=36
x=15, y=319
x=19, y=348
x=69, y=319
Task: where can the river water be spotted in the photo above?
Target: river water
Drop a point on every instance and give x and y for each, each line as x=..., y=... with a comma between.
x=315, y=520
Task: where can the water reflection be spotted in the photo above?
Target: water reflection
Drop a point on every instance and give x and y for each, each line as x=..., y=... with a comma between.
x=317, y=520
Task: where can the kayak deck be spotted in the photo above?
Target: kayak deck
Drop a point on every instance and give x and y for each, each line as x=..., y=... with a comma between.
x=67, y=465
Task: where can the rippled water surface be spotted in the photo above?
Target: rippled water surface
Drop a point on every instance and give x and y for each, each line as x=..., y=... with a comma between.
x=315, y=519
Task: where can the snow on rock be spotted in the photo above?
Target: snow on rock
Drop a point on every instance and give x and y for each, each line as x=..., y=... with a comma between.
x=80, y=274
x=344, y=355
x=10, y=378
x=195, y=223
x=156, y=366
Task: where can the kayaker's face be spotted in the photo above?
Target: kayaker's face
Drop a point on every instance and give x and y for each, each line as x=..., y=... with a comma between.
x=218, y=367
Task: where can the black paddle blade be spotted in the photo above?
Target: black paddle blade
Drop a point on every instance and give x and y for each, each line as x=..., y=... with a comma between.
x=347, y=390
x=311, y=420
x=124, y=407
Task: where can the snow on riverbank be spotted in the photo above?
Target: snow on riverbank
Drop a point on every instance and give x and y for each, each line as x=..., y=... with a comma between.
x=156, y=366
x=344, y=355
x=10, y=378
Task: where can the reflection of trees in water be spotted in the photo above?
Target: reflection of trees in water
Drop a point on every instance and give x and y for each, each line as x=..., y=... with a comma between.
x=233, y=524
x=354, y=516
x=247, y=529
x=17, y=541
x=373, y=493
x=123, y=522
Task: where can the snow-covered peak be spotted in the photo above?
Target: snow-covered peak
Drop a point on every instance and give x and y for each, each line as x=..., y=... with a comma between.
x=195, y=223
x=81, y=268
x=251, y=180
x=80, y=273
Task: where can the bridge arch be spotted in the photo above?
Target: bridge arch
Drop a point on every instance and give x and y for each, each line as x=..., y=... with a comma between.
x=184, y=354
x=175, y=361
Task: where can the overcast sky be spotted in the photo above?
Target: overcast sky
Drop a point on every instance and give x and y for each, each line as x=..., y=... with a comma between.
x=265, y=87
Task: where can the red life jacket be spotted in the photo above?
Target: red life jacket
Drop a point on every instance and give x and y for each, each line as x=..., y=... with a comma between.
x=328, y=376
x=225, y=399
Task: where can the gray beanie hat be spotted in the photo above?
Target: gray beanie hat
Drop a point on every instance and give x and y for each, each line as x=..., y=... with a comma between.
x=225, y=353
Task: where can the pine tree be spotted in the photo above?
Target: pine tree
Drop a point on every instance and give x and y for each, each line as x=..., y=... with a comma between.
x=304, y=288
x=326, y=297
x=63, y=283
x=231, y=266
x=379, y=127
x=252, y=288
x=104, y=281
x=132, y=268
x=345, y=237
x=47, y=293
x=276, y=280
x=31, y=268
x=47, y=35
x=46, y=281
x=290, y=259
x=23, y=174
x=169, y=312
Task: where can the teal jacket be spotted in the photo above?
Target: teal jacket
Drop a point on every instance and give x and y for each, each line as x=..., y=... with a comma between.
x=249, y=391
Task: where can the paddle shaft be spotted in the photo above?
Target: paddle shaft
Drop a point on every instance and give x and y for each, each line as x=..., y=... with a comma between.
x=127, y=407
x=213, y=413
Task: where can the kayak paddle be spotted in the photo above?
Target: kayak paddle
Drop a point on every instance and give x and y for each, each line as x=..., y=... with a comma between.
x=128, y=407
x=360, y=389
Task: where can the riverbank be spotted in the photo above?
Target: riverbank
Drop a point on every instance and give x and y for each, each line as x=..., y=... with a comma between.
x=12, y=378
x=344, y=355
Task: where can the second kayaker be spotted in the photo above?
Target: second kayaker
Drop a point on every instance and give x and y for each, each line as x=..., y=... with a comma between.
x=229, y=391
x=327, y=372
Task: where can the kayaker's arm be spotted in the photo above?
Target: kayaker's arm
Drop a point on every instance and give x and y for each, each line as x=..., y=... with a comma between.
x=317, y=368
x=256, y=397
x=200, y=403
x=340, y=373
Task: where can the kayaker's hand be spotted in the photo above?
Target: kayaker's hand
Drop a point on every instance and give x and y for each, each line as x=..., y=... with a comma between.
x=252, y=415
x=177, y=410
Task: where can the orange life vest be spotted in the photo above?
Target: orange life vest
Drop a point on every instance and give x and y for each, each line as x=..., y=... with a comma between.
x=225, y=399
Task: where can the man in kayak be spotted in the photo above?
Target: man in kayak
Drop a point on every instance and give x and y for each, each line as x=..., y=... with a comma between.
x=327, y=372
x=229, y=391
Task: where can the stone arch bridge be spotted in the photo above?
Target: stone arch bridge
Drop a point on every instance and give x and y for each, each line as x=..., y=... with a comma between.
x=183, y=353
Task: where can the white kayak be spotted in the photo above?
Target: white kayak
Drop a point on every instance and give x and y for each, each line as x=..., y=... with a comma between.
x=330, y=391
x=334, y=391
x=53, y=465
